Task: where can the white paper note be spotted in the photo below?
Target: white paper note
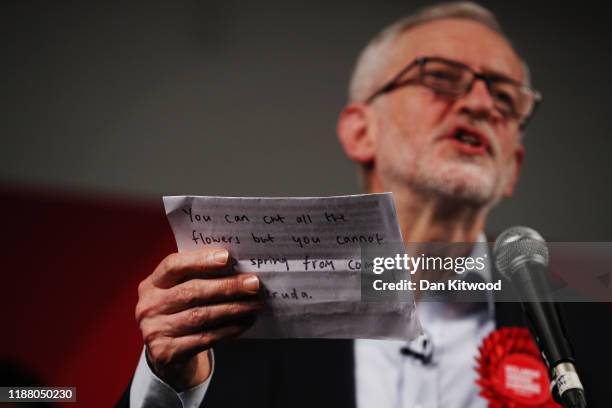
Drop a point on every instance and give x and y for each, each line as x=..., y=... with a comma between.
x=306, y=252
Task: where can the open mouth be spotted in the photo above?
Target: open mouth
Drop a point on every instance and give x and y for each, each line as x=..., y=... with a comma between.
x=470, y=141
x=467, y=138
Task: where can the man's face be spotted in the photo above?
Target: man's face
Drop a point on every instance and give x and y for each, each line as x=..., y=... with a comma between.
x=421, y=135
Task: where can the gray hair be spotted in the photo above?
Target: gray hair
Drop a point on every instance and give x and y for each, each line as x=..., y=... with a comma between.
x=370, y=68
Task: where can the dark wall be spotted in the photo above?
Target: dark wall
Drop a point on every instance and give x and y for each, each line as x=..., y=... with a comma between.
x=241, y=98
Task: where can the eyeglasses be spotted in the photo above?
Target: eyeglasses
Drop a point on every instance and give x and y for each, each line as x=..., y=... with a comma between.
x=511, y=98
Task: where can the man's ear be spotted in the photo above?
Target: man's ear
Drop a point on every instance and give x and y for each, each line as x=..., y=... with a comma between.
x=519, y=155
x=356, y=130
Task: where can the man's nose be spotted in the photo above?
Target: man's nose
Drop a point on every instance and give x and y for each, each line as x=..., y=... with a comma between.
x=478, y=102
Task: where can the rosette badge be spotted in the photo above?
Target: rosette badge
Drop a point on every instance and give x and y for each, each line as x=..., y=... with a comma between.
x=511, y=372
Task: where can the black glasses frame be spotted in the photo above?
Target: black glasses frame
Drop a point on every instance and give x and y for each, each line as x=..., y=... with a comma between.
x=488, y=79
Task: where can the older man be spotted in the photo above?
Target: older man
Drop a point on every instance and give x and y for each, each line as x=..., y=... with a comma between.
x=438, y=102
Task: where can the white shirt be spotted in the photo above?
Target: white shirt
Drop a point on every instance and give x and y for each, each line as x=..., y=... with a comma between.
x=384, y=378
x=148, y=390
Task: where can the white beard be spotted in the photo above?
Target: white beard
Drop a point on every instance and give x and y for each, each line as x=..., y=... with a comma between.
x=460, y=181
x=459, y=178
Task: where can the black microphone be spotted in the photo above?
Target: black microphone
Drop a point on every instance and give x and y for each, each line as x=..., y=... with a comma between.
x=521, y=255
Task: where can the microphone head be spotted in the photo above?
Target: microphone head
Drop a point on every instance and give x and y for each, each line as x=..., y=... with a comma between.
x=516, y=246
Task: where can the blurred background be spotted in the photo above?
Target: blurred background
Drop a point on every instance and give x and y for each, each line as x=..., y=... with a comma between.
x=109, y=105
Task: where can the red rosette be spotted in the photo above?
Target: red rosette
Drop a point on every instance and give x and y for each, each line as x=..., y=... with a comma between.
x=512, y=374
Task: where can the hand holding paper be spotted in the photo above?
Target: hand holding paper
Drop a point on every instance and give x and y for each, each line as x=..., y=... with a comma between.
x=307, y=253
x=179, y=318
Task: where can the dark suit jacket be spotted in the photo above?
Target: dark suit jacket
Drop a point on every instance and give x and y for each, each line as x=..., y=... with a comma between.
x=320, y=373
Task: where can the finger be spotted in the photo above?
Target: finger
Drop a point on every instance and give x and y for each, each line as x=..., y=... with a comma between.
x=169, y=349
x=198, y=292
x=177, y=266
x=206, y=339
x=202, y=317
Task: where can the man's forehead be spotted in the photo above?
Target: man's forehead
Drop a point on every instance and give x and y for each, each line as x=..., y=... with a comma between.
x=463, y=40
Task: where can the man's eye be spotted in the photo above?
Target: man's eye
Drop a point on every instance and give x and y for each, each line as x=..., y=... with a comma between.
x=504, y=98
x=443, y=75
